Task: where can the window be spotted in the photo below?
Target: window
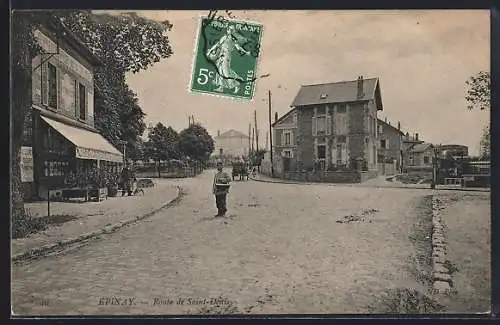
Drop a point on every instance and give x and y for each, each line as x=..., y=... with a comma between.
x=341, y=125
x=221, y=151
x=341, y=108
x=321, y=151
x=55, y=168
x=288, y=154
x=320, y=110
x=82, y=101
x=288, y=139
x=410, y=159
x=426, y=160
x=341, y=139
x=321, y=124
x=382, y=144
x=52, y=86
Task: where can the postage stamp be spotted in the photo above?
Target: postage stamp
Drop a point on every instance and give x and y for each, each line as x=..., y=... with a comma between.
x=226, y=56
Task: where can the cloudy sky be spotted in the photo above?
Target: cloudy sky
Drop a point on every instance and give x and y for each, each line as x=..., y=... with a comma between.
x=421, y=57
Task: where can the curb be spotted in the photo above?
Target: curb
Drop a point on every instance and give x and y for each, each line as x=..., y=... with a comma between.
x=48, y=248
x=355, y=185
x=441, y=275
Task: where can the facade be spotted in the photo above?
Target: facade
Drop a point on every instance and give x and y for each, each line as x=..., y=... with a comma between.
x=419, y=157
x=231, y=144
x=331, y=127
x=60, y=137
x=390, y=148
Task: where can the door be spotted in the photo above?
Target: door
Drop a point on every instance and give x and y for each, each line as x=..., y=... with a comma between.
x=286, y=164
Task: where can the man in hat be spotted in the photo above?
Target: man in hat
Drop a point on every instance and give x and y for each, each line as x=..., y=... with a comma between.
x=220, y=189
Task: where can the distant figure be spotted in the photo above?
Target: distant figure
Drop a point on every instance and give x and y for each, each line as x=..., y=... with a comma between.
x=124, y=179
x=221, y=189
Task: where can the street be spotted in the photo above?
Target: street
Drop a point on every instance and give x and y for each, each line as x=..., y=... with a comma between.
x=280, y=249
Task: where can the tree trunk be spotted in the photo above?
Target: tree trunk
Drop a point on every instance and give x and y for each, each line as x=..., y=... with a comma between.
x=21, y=106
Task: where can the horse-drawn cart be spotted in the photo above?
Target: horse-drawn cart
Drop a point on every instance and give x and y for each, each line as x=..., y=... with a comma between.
x=240, y=170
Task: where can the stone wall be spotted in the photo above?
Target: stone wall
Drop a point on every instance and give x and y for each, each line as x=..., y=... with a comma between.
x=327, y=176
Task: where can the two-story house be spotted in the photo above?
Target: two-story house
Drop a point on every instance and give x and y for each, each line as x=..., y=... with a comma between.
x=390, y=149
x=332, y=126
x=60, y=136
x=231, y=143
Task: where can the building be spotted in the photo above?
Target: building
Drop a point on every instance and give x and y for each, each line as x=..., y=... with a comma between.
x=60, y=137
x=390, y=150
x=331, y=126
x=453, y=150
x=418, y=158
x=231, y=144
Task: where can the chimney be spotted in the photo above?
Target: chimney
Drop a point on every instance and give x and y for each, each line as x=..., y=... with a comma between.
x=416, y=136
x=399, y=125
x=360, y=87
x=275, y=117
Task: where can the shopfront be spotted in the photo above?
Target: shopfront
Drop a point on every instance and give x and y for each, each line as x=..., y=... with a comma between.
x=62, y=149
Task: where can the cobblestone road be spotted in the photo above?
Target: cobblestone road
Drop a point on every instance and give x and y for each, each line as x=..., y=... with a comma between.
x=280, y=250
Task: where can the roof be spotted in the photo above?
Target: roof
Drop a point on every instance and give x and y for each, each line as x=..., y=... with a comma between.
x=58, y=26
x=283, y=117
x=338, y=92
x=387, y=124
x=421, y=147
x=232, y=134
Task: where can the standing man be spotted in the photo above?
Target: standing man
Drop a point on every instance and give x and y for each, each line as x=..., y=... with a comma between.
x=220, y=189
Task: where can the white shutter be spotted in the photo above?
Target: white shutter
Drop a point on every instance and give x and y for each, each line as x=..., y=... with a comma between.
x=45, y=82
x=328, y=124
x=387, y=144
x=314, y=126
x=292, y=139
x=344, y=153
x=283, y=136
x=315, y=150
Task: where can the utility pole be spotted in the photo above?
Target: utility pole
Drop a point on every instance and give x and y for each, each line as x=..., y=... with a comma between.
x=256, y=131
x=249, y=139
x=270, y=135
x=267, y=140
x=253, y=138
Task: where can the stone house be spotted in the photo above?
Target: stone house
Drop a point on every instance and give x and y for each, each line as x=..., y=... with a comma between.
x=331, y=126
x=59, y=135
x=390, y=150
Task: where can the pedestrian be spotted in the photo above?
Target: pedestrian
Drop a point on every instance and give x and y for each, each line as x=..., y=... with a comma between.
x=124, y=180
x=131, y=179
x=221, y=189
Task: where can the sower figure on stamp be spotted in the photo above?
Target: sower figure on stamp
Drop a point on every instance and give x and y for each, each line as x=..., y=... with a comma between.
x=221, y=53
x=221, y=189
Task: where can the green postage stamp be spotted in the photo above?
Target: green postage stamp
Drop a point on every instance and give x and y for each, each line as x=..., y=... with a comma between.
x=226, y=57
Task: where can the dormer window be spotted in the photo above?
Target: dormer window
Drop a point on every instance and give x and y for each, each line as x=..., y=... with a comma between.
x=323, y=96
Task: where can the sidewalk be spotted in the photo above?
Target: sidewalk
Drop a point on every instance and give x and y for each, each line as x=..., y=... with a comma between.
x=92, y=218
x=375, y=182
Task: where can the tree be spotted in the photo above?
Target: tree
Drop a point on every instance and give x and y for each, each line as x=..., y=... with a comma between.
x=479, y=96
x=162, y=143
x=125, y=42
x=24, y=48
x=196, y=143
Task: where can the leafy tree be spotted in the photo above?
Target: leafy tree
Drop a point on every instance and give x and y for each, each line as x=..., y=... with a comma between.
x=196, y=143
x=479, y=96
x=126, y=42
x=258, y=156
x=162, y=144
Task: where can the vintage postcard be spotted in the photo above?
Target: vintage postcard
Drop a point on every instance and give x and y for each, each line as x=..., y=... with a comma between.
x=251, y=162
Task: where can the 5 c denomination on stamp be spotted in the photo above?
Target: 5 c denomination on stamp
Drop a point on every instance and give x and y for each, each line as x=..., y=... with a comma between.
x=226, y=57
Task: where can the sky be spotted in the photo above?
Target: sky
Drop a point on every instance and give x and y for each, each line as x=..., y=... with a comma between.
x=422, y=59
